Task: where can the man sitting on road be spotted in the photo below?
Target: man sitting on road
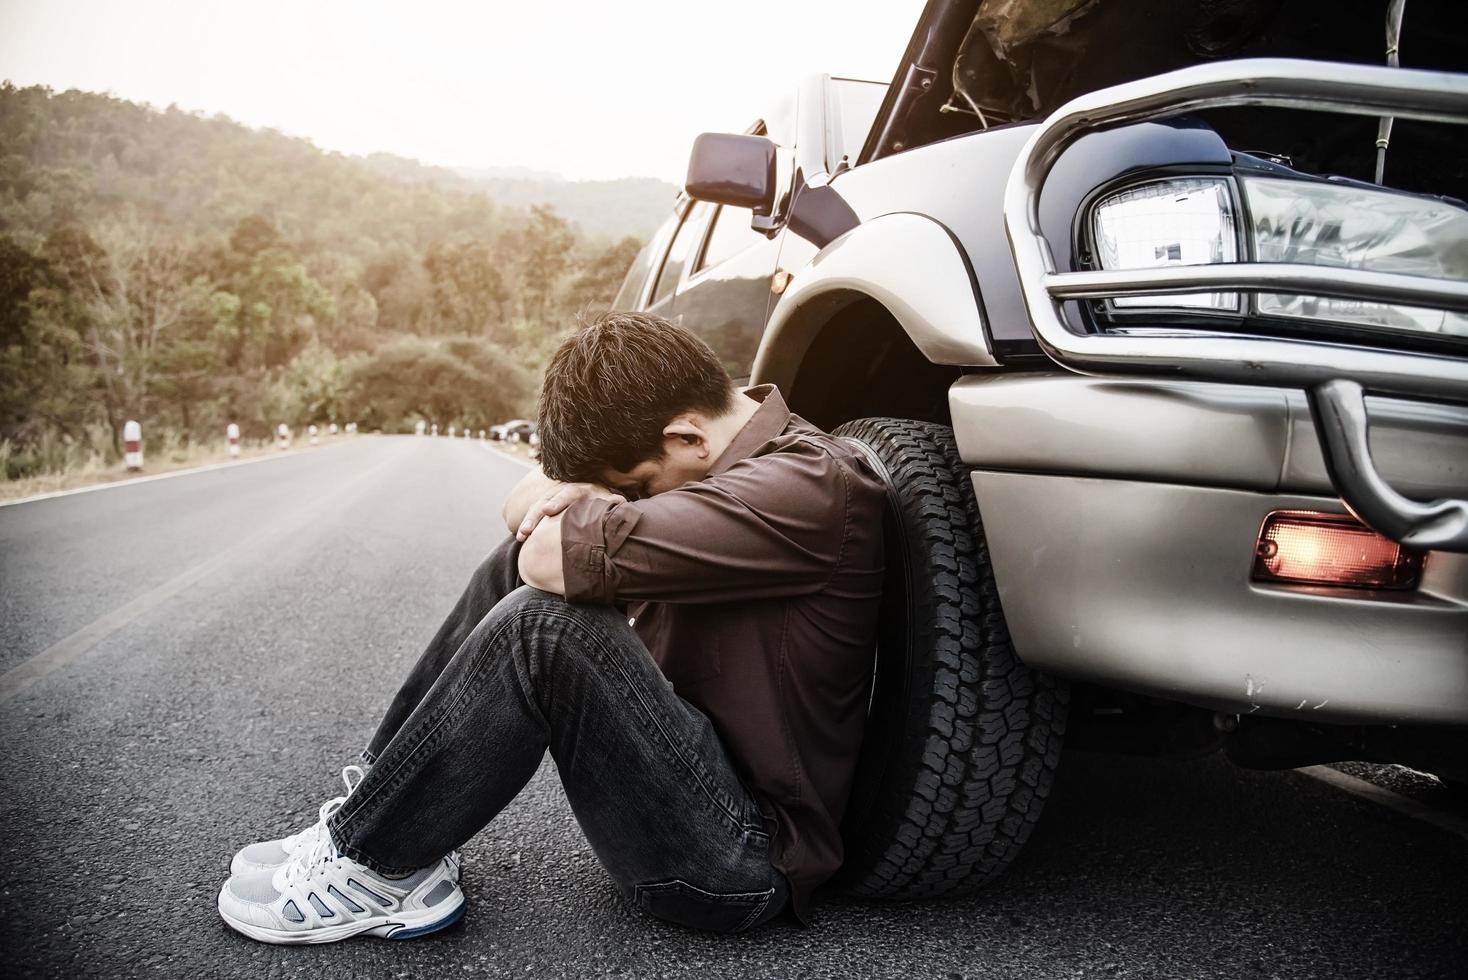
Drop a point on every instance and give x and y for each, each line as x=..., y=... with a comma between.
x=685, y=617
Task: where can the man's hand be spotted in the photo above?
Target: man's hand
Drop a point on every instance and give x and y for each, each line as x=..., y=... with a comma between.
x=558, y=499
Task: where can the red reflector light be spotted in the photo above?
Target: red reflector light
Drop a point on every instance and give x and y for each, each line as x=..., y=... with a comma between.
x=1331, y=549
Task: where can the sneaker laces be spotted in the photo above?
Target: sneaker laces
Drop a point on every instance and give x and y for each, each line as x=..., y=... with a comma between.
x=311, y=833
x=304, y=863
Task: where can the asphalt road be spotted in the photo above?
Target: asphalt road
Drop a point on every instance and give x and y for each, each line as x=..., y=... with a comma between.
x=188, y=663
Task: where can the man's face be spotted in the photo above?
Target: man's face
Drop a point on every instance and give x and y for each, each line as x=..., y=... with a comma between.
x=684, y=459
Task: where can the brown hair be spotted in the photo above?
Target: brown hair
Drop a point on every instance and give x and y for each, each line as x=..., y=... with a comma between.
x=611, y=387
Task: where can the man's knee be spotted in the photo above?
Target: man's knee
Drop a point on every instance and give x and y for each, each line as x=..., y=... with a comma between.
x=527, y=599
x=529, y=603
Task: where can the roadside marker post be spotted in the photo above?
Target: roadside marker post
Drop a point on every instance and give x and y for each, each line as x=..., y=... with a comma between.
x=451, y=432
x=481, y=435
x=232, y=436
x=132, y=445
x=311, y=431
x=435, y=428
x=331, y=429
x=282, y=436
x=421, y=427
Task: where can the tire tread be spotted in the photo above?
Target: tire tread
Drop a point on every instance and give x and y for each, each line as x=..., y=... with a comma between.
x=981, y=735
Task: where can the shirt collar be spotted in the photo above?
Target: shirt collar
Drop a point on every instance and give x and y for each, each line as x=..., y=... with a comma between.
x=767, y=422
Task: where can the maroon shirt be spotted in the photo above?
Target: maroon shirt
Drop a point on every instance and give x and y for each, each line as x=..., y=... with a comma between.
x=758, y=589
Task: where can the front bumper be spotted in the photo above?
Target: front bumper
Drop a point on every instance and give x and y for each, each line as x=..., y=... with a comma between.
x=1121, y=519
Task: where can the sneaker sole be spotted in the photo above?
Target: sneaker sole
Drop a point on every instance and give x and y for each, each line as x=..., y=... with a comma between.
x=393, y=927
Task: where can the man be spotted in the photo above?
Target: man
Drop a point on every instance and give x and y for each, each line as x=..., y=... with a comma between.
x=684, y=617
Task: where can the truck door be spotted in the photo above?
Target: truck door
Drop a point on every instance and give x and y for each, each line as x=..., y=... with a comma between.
x=726, y=294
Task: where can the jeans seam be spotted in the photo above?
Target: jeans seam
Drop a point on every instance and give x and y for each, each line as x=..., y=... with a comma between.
x=756, y=912
x=433, y=724
x=699, y=777
x=672, y=743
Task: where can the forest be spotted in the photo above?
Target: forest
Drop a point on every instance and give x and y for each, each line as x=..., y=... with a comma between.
x=188, y=271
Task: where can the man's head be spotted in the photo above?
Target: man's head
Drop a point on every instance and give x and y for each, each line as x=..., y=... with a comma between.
x=634, y=402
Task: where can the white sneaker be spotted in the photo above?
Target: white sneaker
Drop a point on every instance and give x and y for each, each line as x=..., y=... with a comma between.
x=321, y=896
x=271, y=854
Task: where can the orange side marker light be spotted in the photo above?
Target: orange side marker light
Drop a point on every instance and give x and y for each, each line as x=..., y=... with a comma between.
x=1310, y=548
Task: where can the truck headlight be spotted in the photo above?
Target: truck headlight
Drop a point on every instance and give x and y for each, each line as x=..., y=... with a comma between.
x=1352, y=227
x=1187, y=221
x=1194, y=221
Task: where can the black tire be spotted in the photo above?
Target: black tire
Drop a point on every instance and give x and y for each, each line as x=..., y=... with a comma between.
x=962, y=739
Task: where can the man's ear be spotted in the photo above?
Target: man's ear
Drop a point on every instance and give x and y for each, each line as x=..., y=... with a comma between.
x=686, y=431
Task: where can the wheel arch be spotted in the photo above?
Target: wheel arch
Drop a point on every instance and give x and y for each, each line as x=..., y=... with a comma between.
x=861, y=363
x=857, y=334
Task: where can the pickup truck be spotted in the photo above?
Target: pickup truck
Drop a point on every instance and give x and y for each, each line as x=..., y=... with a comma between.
x=1154, y=316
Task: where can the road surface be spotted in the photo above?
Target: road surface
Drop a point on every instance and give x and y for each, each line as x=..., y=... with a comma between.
x=188, y=663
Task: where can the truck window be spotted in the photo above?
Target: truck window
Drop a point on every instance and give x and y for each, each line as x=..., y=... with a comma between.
x=683, y=244
x=637, y=275
x=731, y=235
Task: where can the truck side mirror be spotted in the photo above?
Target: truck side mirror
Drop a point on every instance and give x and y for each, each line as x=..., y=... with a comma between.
x=734, y=170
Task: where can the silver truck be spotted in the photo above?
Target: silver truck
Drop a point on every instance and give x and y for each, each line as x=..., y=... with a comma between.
x=1159, y=334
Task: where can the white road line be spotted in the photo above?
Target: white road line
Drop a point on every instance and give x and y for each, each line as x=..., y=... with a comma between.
x=31, y=671
x=134, y=481
x=1404, y=805
x=509, y=455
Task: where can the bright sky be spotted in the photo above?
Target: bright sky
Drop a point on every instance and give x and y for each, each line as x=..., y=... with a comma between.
x=583, y=88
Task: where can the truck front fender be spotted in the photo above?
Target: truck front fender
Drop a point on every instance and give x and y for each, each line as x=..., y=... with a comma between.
x=911, y=265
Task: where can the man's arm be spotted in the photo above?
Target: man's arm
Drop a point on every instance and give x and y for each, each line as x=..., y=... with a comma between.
x=540, y=557
x=768, y=527
x=537, y=497
x=532, y=487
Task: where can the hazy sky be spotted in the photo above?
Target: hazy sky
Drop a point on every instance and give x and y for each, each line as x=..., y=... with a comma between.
x=585, y=89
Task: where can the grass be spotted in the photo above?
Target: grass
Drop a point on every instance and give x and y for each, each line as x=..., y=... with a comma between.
x=72, y=467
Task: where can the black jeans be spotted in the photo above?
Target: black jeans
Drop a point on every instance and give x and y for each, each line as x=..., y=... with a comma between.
x=514, y=671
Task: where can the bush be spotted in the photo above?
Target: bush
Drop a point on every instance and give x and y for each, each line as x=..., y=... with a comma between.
x=460, y=381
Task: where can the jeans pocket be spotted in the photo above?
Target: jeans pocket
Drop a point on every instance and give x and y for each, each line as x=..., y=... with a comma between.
x=677, y=901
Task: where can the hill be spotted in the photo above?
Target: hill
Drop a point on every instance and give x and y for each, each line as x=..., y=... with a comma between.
x=600, y=208
x=188, y=270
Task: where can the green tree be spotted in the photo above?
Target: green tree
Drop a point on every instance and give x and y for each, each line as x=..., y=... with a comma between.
x=599, y=278
x=469, y=293
x=124, y=294
x=546, y=242
x=463, y=381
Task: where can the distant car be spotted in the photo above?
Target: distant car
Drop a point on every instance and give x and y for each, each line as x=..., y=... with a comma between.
x=515, y=430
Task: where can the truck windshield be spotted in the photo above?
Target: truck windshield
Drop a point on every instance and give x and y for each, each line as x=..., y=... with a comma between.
x=856, y=105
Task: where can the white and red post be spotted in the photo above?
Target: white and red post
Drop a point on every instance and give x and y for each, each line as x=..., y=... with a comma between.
x=232, y=436
x=132, y=445
x=282, y=436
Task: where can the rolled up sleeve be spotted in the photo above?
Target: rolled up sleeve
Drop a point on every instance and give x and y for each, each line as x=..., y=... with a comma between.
x=591, y=529
x=768, y=526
